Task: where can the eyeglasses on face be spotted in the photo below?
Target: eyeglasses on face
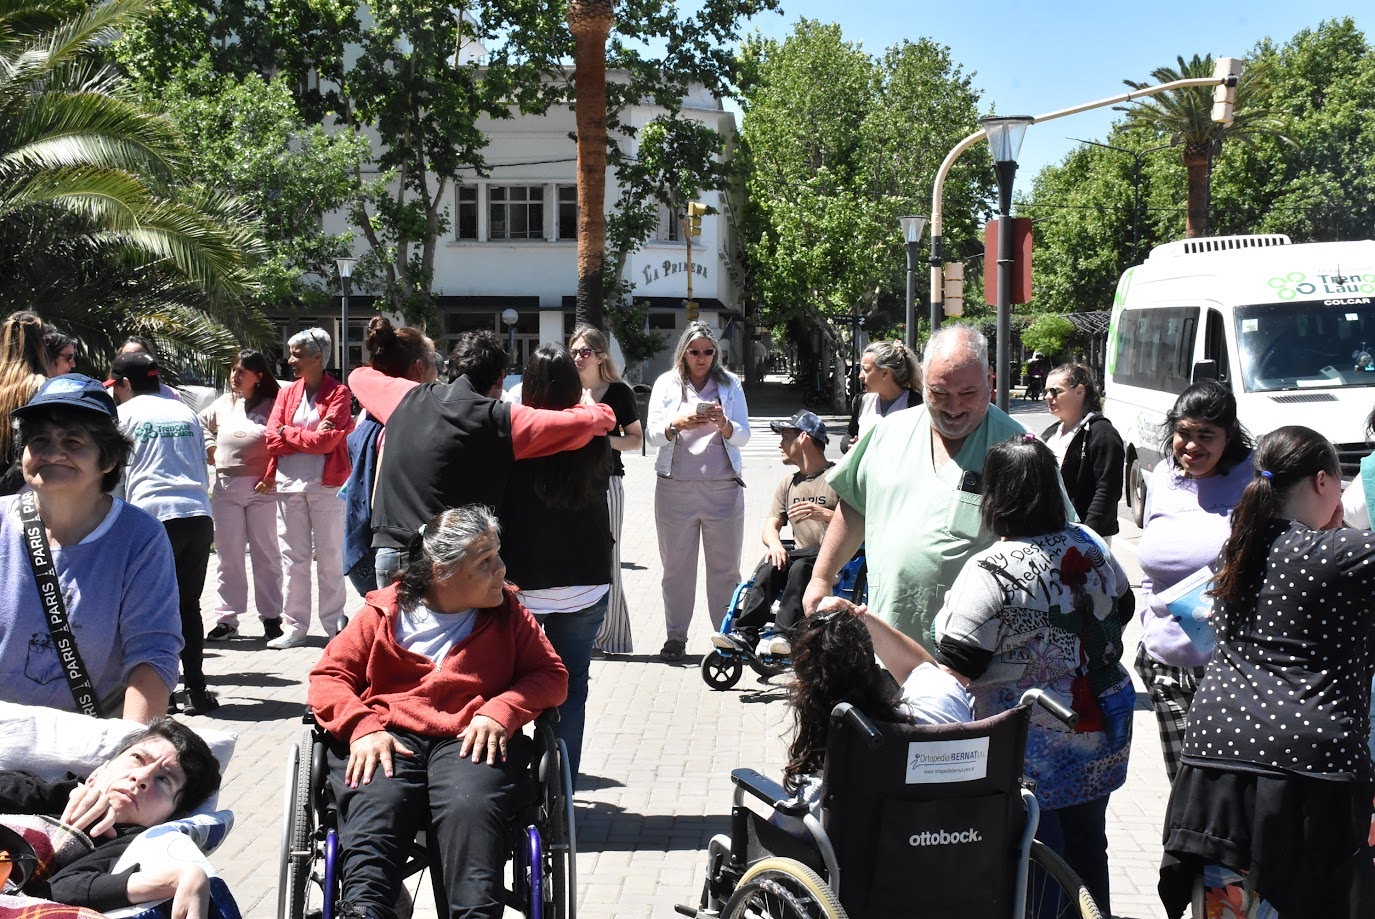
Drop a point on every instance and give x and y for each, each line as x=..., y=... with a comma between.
x=583, y=352
x=702, y=352
x=67, y=356
x=1054, y=391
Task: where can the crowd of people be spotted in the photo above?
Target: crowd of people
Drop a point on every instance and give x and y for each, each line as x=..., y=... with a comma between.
x=483, y=529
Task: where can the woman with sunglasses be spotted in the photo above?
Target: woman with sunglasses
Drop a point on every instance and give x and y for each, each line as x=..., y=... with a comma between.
x=1087, y=446
x=699, y=421
x=591, y=353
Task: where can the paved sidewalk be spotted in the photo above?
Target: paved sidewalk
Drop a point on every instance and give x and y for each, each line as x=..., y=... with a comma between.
x=660, y=744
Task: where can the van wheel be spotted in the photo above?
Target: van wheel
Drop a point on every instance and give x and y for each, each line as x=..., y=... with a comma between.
x=1136, y=487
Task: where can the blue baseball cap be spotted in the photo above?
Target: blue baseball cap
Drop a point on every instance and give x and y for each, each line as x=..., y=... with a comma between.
x=70, y=390
x=806, y=422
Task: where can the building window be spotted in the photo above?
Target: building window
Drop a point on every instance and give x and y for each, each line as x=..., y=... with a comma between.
x=670, y=225
x=662, y=322
x=515, y=212
x=568, y=212
x=467, y=212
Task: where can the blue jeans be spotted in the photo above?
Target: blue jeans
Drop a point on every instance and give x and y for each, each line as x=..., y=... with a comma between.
x=387, y=564
x=1079, y=835
x=572, y=635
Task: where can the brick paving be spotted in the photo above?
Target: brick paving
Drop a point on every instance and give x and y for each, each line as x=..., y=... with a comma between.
x=660, y=745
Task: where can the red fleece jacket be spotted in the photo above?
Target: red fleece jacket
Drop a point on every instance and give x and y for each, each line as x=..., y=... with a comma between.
x=366, y=682
x=334, y=403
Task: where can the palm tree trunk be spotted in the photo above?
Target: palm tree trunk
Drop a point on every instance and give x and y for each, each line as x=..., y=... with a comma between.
x=1196, y=216
x=590, y=21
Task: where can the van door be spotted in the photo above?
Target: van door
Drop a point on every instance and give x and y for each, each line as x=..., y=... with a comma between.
x=1215, y=346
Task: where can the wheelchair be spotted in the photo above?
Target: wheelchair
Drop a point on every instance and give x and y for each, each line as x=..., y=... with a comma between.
x=542, y=836
x=723, y=666
x=929, y=820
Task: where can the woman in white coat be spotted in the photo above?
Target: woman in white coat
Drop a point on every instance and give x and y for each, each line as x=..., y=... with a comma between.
x=698, y=420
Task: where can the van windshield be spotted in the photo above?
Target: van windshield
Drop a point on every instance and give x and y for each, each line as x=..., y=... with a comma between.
x=1307, y=345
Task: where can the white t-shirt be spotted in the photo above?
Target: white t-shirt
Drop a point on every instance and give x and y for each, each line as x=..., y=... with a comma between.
x=433, y=635
x=297, y=470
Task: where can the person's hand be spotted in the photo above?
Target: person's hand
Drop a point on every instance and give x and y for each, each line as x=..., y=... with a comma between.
x=818, y=589
x=88, y=809
x=716, y=416
x=689, y=420
x=777, y=556
x=806, y=510
x=326, y=425
x=833, y=604
x=368, y=752
x=587, y=398
x=265, y=486
x=210, y=455
x=483, y=735
x=187, y=885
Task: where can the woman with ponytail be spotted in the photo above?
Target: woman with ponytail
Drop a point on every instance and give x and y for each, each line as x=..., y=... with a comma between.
x=891, y=377
x=424, y=694
x=1044, y=607
x=1275, y=778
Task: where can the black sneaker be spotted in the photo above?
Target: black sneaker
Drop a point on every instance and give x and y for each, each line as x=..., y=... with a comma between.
x=272, y=628
x=222, y=632
x=197, y=701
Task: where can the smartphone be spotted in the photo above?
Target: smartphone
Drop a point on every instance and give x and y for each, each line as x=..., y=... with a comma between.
x=704, y=407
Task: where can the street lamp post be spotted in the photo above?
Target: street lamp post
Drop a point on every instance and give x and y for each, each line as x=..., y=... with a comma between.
x=1138, y=157
x=509, y=318
x=1005, y=140
x=345, y=266
x=911, y=235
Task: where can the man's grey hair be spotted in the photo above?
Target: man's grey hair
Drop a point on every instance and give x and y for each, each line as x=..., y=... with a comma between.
x=449, y=536
x=316, y=341
x=955, y=338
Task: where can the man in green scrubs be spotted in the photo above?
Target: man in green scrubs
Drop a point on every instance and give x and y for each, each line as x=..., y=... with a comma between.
x=911, y=489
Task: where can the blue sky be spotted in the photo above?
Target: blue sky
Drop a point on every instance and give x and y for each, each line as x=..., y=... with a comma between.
x=1031, y=58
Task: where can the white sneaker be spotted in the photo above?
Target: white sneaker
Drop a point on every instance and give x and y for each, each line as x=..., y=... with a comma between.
x=779, y=647
x=287, y=640
x=721, y=641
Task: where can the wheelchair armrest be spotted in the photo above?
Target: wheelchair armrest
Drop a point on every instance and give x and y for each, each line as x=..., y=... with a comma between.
x=768, y=791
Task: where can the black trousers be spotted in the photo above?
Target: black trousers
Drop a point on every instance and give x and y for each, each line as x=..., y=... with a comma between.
x=191, y=538
x=770, y=582
x=463, y=806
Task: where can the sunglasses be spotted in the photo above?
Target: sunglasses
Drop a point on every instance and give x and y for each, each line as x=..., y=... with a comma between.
x=702, y=352
x=1054, y=391
x=583, y=352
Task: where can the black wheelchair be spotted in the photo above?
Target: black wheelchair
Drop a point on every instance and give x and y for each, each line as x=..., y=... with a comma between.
x=543, y=841
x=723, y=666
x=916, y=820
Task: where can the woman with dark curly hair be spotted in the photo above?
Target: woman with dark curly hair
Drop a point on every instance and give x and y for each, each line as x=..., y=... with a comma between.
x=424, y=693
x=558, y=537
x=834, y=661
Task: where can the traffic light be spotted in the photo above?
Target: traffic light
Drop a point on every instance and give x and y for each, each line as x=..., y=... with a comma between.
x=1228, y=70
x=695, y=212
x=953, y=295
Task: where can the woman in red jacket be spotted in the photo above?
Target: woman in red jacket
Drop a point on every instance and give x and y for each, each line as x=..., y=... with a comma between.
x=422, y=692
x=309, y=461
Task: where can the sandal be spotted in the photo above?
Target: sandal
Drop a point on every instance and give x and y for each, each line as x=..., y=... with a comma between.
x=672, y=650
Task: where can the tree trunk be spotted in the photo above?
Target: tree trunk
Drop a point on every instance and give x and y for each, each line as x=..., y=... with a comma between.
x=590, y=21
x=1196, y=216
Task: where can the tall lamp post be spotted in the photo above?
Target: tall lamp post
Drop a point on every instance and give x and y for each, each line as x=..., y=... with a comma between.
x=345, y=266
x=1005, y=139
x=509, y=318
x=911, y=235
x=1138, y=157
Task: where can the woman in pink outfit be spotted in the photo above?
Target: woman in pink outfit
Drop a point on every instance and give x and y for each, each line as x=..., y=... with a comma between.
x=243, y=500
x=306, y=440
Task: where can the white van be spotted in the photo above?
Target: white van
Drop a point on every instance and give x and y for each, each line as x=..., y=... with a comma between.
x=1289, y=328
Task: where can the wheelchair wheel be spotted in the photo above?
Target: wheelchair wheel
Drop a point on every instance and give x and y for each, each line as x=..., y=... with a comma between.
x=770, y=667
x=1053, y=889
x=558, y=836
x=298, y=830
x=782, y=888
x=721, y=671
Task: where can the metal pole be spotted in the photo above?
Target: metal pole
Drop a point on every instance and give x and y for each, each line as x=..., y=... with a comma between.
x=344, y=334
x=911, y=333
x=1006, y=172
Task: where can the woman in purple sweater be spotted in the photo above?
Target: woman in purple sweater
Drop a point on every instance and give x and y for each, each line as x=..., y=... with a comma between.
x=1189, y=503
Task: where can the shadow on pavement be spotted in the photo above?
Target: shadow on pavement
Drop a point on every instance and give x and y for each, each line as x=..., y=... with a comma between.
x=605, y=827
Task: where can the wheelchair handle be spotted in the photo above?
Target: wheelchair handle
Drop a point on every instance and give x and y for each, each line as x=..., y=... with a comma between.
x=845, y=712
x=1051, y=703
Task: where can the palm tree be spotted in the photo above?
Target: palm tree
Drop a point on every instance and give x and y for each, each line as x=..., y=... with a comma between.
x=590, y=21
x=1183, y=116
x=97, y=231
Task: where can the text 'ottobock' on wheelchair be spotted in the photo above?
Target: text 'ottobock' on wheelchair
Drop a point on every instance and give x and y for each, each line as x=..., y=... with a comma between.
x=543, y=843
x=914, y=820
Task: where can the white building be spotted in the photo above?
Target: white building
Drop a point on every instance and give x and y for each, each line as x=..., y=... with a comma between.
x=512, y=245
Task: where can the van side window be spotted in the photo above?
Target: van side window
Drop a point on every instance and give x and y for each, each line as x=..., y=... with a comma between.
x=1215, y=345
x=1155, y=347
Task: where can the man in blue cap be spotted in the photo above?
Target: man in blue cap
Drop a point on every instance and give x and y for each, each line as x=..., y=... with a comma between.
x=805, y=502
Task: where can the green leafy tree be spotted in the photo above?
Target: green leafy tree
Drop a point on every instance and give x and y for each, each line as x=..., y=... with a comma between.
x=1048, y=334
x=1184, y=116
x=95, y=206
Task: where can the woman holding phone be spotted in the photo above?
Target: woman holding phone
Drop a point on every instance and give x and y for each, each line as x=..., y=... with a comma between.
x=698, y=420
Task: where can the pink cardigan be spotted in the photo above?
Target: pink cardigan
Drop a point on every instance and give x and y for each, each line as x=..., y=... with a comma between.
x=335, y=404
